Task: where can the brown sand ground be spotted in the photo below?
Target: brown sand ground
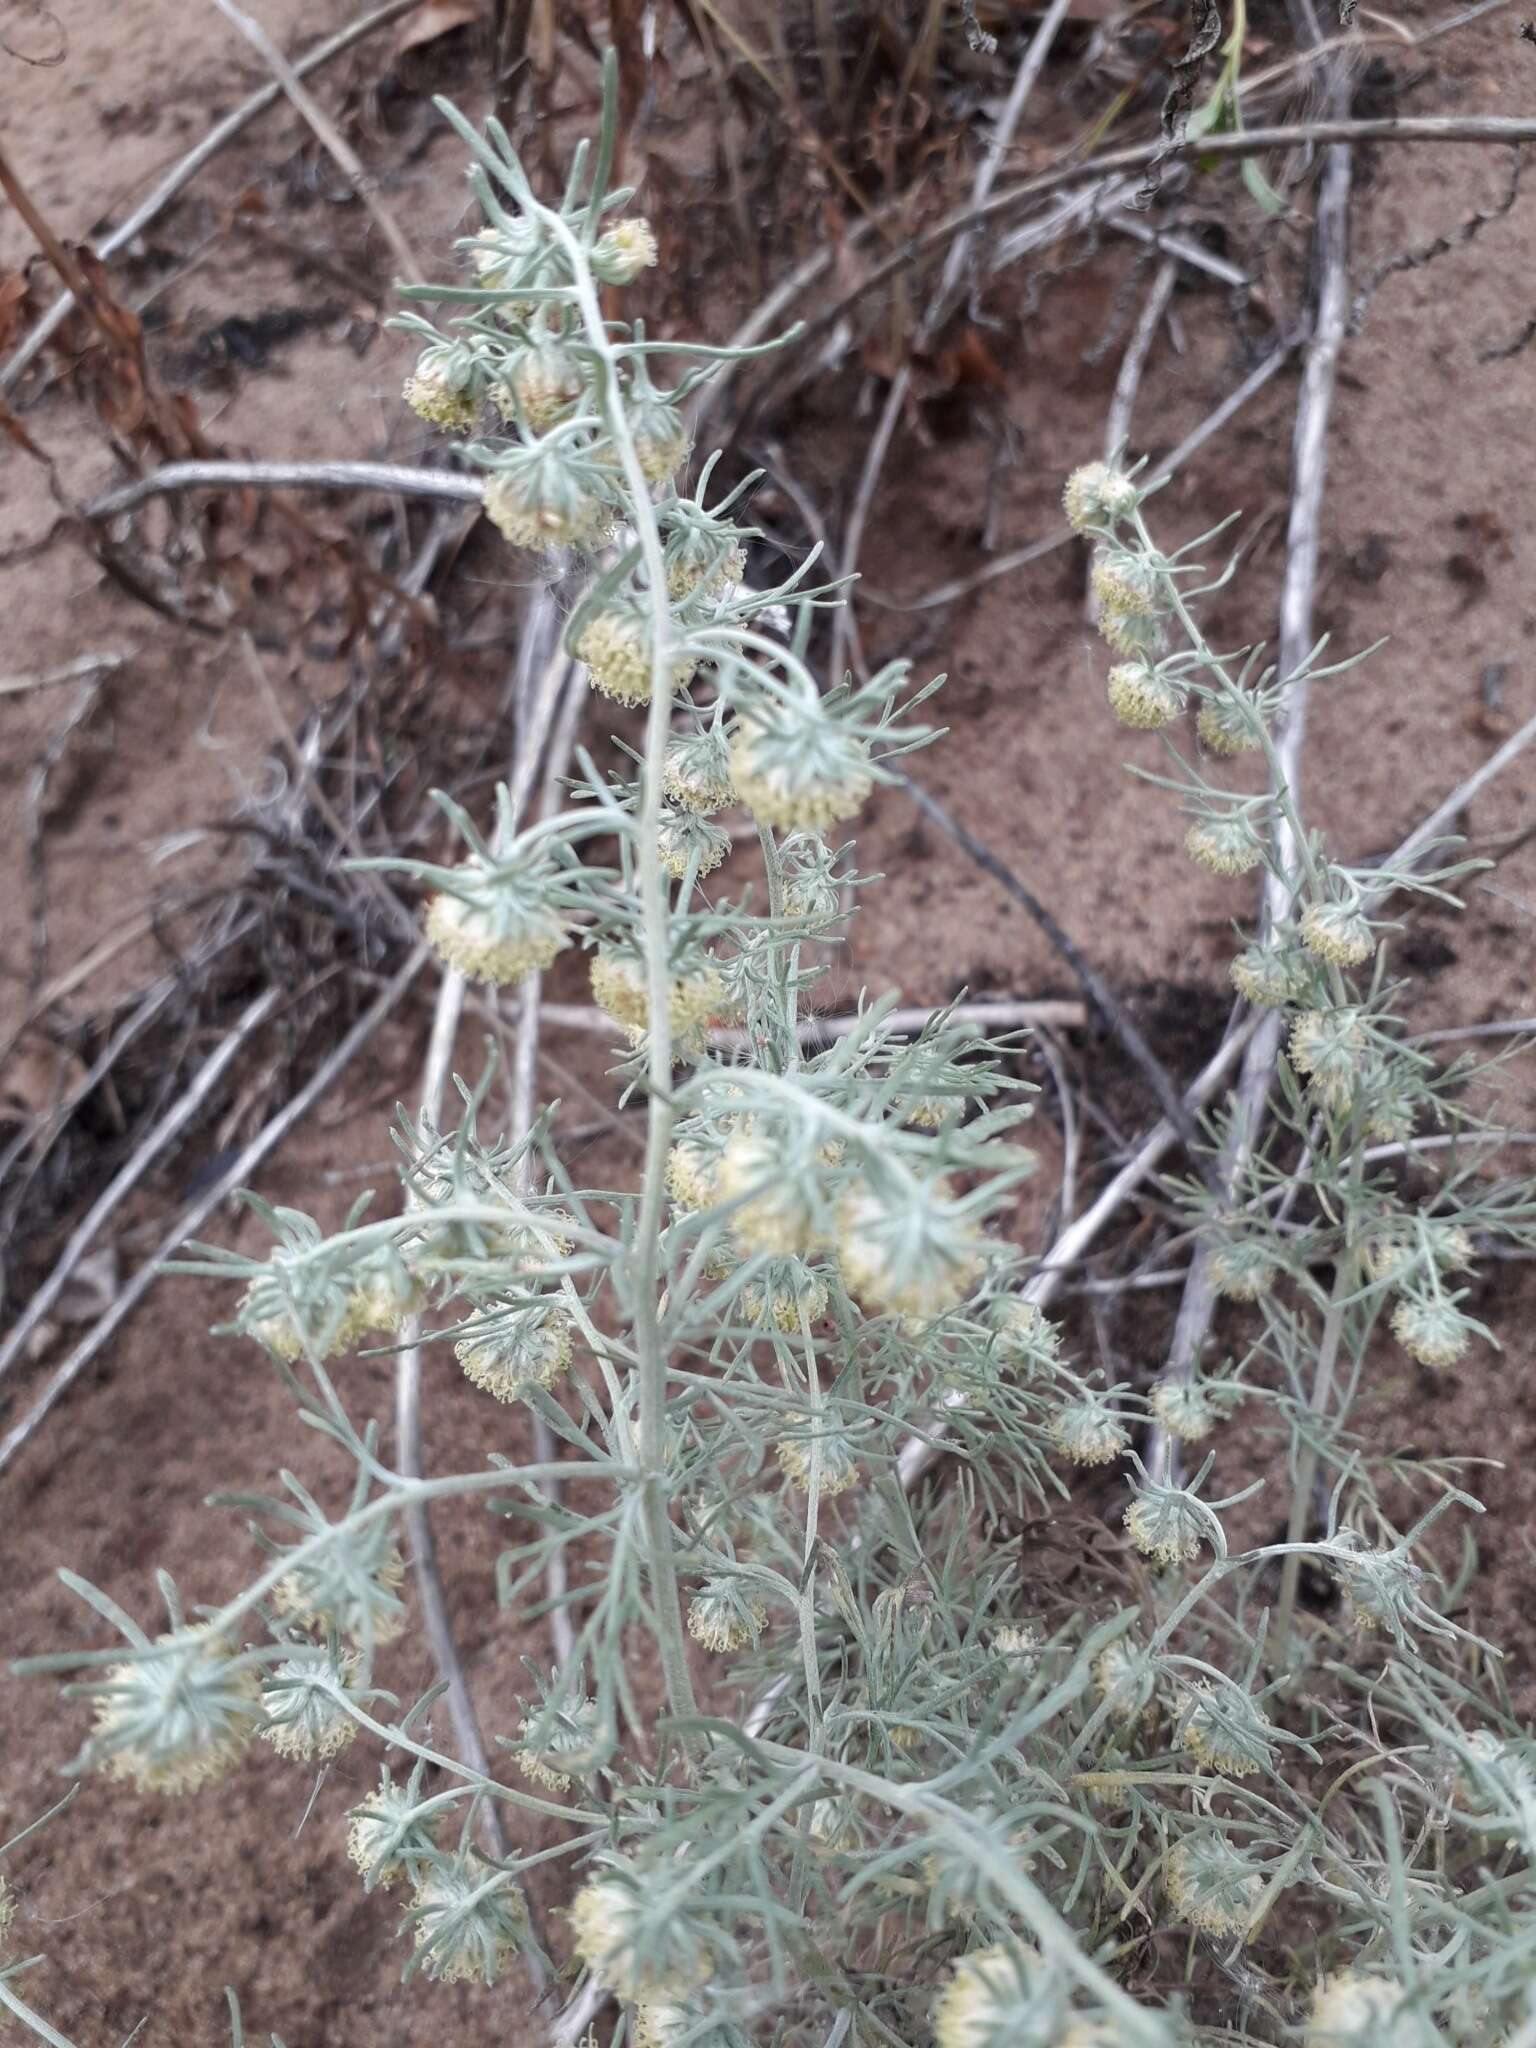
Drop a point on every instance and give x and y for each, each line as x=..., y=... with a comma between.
x=145, y=1912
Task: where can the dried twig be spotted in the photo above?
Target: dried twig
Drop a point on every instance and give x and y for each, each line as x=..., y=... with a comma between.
x=327, y=134
x=844, y=625
x=129, y=1175
x=1303, y=539
x=409, y=1455
x=1428, y=129
x=1122, y=405
x=1117, y=428
x=1116, y=1018
x=1020, y=558
x=66, y=672
x=181, y=175
x=295, y=476
x=235, y=1175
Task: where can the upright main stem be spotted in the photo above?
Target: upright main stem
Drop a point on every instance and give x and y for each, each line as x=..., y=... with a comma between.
x=655, y=917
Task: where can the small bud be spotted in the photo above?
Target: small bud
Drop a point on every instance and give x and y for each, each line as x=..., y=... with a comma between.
x=812, y=888
x=705, y=560
x=627, y=248
x=616, y=646
x=726, y=1616
x=1242, y=1270
x=507, y=256
x=1225, y=846
x=1228, y=725
x=1432, y=1330
x=684, y=843
x=1098, y=495
x=1141, y=698
x=825, y=1438
x=1380, y=1587
x=1088, y=1432
x=1337, y=933
x=7, y=1908
x=1025, y=1334
x=1211, y=1886
x=1019, y=1641
x=509, y=1352
x=469, y=1920
x=787, y=1291
x=661, y=440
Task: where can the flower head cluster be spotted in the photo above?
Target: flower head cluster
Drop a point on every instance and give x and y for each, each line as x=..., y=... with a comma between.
x=1141, y=696
x=616, y=644
x=497, y=921
x=1098, y=495
x=906, y=1248
x=444, y=389
x=696, y=773
x=1351, y=2009
x=178, y=1716
x=559, y=1743
x=1185, y=1409
x=622, y=1945
x=1224, y=1729
x=1432, y=1329
x=304, y=1703
x=349, y=1588
x=548, y=494
x=507, y=1352
x=389, y=1836
x=817, y=1447
x=1087, y=1431
x=1168, y=1524
x=797, y=766
x=1329, y=1046
x=1211, y=1885
x=468, y=1918
x=726, y=1616
x=1000, y=1997
x=696, y=994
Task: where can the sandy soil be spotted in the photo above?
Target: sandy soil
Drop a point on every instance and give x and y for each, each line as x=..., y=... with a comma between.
x=147, y=1912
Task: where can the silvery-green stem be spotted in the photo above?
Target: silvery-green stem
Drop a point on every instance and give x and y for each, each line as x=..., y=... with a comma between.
x=655, y=913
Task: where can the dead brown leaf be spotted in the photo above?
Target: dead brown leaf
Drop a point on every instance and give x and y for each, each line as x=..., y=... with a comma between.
x=432, y=19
